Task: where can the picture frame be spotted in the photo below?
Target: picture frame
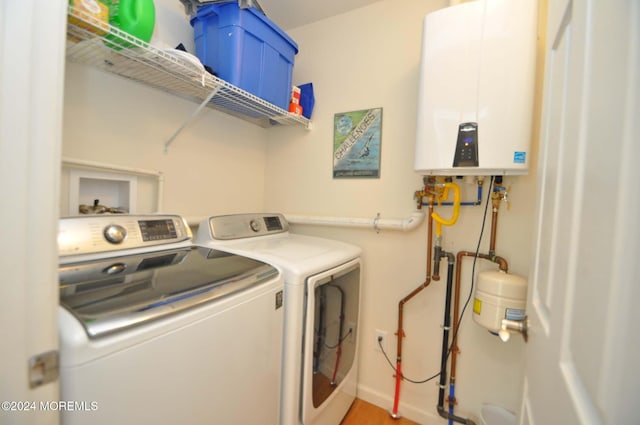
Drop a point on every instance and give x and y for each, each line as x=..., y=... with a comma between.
x=357, y=137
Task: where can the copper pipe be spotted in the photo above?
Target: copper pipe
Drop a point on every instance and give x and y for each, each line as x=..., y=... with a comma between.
x=400, y=331
x=494, y=225
x=502, y=264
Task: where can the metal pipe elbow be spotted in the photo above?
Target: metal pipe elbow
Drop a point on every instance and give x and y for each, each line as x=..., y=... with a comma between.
x=446, y=415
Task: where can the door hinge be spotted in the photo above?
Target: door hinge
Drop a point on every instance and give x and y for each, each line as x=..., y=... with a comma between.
x=43, y=368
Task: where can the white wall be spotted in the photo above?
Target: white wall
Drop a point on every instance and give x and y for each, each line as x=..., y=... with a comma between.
x=215, y=166
x=370, y=58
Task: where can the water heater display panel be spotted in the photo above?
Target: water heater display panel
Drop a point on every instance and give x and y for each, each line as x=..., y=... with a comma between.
x=467, y=146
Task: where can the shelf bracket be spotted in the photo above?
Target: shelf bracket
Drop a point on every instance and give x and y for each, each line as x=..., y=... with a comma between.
x=191, y=118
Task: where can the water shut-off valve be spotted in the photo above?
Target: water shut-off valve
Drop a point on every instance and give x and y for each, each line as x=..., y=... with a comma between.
x=521, y=326
x=500, y=194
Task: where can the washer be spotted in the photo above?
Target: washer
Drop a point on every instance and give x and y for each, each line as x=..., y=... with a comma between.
x=155, y=330
x=321, y=307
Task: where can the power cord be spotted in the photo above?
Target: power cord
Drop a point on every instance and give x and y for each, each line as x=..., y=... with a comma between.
x=396, y=370
x=464, y=308
x=473, y=267
x=344, y=338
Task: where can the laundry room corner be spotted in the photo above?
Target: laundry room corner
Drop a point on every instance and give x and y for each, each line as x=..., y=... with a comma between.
x=369, y=58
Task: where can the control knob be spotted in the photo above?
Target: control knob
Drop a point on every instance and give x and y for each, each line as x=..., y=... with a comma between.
x=255, y=225
x=114, y=233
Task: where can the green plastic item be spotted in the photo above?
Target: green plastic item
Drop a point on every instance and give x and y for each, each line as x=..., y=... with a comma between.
x=136, y=17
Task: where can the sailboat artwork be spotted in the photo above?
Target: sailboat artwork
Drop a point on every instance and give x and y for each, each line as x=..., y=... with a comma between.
x=356, y=144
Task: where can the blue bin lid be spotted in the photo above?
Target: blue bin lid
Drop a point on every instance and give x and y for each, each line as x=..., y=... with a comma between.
x=216, y=8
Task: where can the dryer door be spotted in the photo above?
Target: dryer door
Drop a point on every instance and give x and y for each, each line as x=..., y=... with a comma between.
x=330, y=344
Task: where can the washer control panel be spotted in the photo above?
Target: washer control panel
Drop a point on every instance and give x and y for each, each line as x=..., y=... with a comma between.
x=239, y=226
x=102, y=233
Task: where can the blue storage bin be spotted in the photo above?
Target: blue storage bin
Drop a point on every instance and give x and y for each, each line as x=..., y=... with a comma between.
x=245, y=48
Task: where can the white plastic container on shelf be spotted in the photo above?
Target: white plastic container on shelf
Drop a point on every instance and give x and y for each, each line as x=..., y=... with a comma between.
x=172, y=27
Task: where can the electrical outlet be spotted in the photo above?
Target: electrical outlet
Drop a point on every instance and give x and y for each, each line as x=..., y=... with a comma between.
x=382, y=337
x=351, y=329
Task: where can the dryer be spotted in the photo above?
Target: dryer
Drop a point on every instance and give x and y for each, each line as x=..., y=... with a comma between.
x=321, y=308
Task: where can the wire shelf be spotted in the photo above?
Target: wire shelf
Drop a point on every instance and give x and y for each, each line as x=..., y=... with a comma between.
x=100, y=45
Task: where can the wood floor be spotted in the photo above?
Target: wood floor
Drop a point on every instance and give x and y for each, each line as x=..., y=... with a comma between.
x=363, y=413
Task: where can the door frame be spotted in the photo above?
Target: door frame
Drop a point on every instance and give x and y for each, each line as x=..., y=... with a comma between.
x=32, y=60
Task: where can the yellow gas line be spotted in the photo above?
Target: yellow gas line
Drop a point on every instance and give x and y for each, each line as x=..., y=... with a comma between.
x=456, y=207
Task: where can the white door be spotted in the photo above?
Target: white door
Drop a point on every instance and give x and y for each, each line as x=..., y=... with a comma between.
x=584, y=344
x=32, y=37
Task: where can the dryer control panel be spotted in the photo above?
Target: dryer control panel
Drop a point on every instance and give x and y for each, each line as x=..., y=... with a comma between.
x=240, y=226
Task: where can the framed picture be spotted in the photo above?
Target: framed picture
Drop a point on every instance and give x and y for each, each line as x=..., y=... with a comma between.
x=356, y=144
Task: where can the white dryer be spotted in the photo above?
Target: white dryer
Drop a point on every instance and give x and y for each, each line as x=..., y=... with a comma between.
x=321, y=309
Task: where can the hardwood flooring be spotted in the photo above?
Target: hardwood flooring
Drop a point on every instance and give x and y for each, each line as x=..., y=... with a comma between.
x=363, y=413
x=322, y=388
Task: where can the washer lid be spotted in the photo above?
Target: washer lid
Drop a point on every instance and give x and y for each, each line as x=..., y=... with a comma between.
x=116, y=293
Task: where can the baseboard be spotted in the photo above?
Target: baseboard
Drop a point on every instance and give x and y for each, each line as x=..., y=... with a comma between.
x=385, y=402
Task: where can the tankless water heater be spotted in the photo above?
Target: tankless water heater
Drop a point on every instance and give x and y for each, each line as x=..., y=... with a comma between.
x=476, y=89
